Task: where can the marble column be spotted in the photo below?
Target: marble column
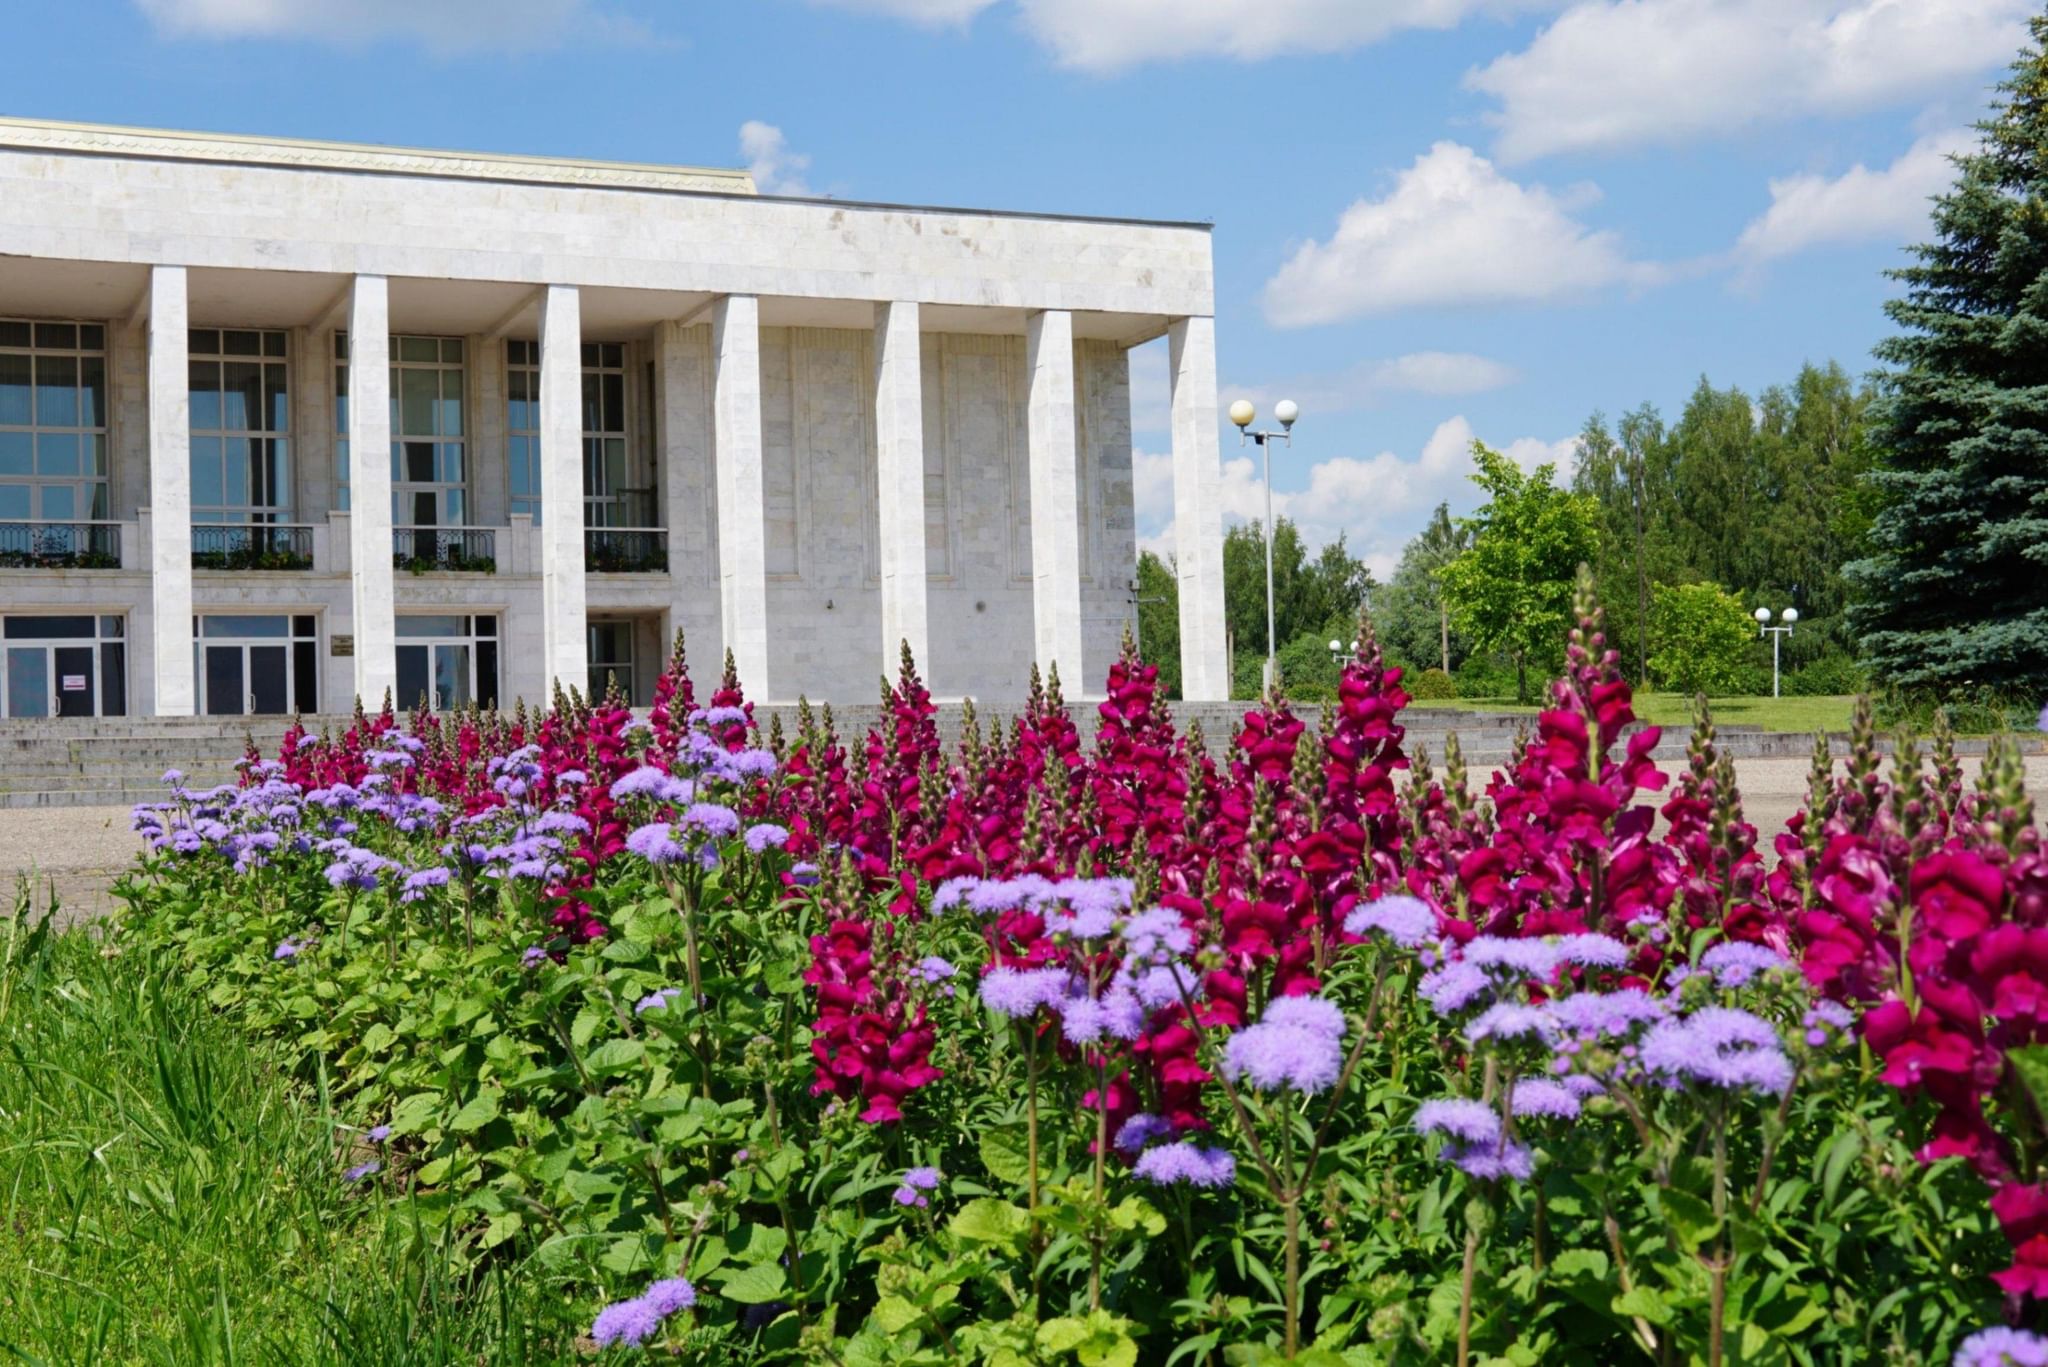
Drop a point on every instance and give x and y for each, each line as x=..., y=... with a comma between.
x=736, y=454
x=170, y=495
x=1052, y=439
x=899, y=482
x=369, y=492
x=1198, y=510
x=565, y=644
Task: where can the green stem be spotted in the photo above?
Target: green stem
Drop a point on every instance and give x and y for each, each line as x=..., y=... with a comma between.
x=1466, y=1277
x=1095, y=1216
x=1717, y=1270
x=1031, y=1149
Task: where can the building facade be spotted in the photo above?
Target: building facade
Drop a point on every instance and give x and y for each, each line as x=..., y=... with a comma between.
x=285, y=424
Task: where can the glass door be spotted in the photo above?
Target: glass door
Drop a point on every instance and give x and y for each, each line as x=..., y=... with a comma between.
x=269, y=671
x=255, y=665
x=63, y=665
x=447, y=662
x=225, y=672
x=28, y=681
x=75, y=693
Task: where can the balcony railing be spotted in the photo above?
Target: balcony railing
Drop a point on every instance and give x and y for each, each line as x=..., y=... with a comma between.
x=625, y=550
x=60, y=545
x=471, y=550
x=252, y=546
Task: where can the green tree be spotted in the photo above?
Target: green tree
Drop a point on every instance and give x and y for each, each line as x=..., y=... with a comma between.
x=1159, y=620
x=1511, y=590
x=1957, y=589
x=1706, y=639
x=1309, y=595
x=1410, y=614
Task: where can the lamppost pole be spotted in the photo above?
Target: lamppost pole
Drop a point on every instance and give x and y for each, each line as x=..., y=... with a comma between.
x=1777, y=635
x=1242, y=412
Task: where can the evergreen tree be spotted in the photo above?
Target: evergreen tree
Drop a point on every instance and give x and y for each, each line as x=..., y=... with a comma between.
x=1957, y=590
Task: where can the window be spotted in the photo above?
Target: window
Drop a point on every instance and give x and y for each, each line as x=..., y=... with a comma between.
x=64, y=666
x=429, y=465
x=609, y=498
x=611, y=656
x=241, y=426
x=447, y=661
x=256, y=664
x=53, y=422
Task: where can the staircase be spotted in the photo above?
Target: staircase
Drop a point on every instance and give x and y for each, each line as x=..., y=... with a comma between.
x=117, y=761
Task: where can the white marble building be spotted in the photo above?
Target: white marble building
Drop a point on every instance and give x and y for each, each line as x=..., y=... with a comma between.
x=286, y=423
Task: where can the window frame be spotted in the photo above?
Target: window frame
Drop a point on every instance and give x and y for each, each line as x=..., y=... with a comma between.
x=278, y=471
x=90, y=481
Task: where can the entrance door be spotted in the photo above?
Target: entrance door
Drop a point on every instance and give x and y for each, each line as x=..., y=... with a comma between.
x=269, y=681
x=225, y=677
x=439, y=673
x=74, y=681
x=28, y=681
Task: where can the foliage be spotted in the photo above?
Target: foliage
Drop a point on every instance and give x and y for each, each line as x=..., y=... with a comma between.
x=1158, y=614
x=1433, y=685
x=1512, y=588
x=1706, y=638
x=1030, y=1050
x=1317, y=597
x=1955, y=589
x=1833, y=674
x=1410, y=613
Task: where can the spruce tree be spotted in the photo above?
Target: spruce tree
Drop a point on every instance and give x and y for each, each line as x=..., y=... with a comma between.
x=1956, y=591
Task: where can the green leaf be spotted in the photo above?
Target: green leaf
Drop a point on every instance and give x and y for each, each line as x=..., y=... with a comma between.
x=893, y=1314
x=615, y=1056
x=756, y=1284
x=1006, y=1156
x=478, y=1112
x=1062, y=1335
x=990, y=1221
x=1846, y=1148
x=415, y=1113
x=1691, y=1219
x=1643, y=1302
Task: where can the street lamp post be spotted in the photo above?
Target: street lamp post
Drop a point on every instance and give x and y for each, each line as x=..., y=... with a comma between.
x=1777, y=635
x=1340, y=654
x=1242, y=413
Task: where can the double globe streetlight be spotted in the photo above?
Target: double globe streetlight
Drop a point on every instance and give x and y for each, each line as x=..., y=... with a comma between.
x=1777, y=635
x=1284, y=412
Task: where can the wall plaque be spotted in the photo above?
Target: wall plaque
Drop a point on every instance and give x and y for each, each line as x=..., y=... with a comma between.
x=338, y=644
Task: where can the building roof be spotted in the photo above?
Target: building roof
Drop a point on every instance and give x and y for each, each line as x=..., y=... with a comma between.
x=239, y=149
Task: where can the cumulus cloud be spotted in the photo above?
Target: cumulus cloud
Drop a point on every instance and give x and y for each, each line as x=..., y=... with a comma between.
x=1858, y=205
x=776, y=169
x=1452, y=231
x=1439, y=374
x=443, y=25
x=1376, y=503
x=1616, y=73
x=926, y=13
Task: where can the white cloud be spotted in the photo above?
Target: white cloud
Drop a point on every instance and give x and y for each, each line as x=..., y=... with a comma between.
x=1859, y=204
x=1151, y=388
x=1376, y=503
x=1614, y=73
x=1107, y=35
x=775, y=168
x=1452, y=231
x=441, y=25
x=1439, y=374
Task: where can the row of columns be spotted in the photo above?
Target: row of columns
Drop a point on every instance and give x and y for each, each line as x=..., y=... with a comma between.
x=898, y=405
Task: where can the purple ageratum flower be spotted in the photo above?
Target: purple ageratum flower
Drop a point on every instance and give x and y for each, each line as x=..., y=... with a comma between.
x=534, y=957
x=287, y=949
x=565, y=822
x=1522, y=958
x=712, y=819
x=1158, y=988
x=1722, y=1047
x=1123, y=1015
x=804, y=875
x=377, y=1134
x=1307, y=1012
x=1017, y=993
x=766, y=835
x=1080, y=1018
x=1140, y=1130
x=907, y=1195
x=948, y=894
x=1508, y=1020
x=1157, y=934
x=1408, y=921
x=417, y=883
x=720, y=716
x=924, y=1178
x=934, y=969
x=1606, y=1013
x=1592, y=951
x=1167, y=1164
x=173, y=777
x=1275, y=1056
x=1083, y=923
x=646, y=781
x=571, y=778
x=1542, y=1097
x=657, y=844
x=2000, y=1346
x=630, y=1322
x=1493, y=1161
x=1735, y=962
x=360, y=1171
x=656, y=1000
x=1475, y=1122
x=1454, y=987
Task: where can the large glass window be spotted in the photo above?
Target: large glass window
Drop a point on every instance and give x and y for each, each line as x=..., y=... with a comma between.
x=609, y=497
x=447, y=661
x=53, y=421
x=610, y=648
x=241, y=426
x=429, y=463
x=64, y=665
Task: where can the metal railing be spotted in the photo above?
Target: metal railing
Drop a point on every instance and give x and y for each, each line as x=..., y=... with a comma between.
x=60, y=545
x=464, y=549
x=252, y=546
x=625, y=550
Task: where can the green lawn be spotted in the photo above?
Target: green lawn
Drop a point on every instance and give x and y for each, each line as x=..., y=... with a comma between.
x=1829, y=713
x=167, y=1197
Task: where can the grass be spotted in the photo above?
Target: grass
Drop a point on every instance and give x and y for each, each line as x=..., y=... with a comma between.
x=167, y=1197
x=1827, y=713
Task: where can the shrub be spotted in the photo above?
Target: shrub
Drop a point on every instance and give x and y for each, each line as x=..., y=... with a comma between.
x=1486, y=675
x=1431, y=685
x=1832, y=675
x=1704, y=639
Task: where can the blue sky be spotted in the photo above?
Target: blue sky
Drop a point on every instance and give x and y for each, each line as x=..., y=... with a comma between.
x=1435, y=219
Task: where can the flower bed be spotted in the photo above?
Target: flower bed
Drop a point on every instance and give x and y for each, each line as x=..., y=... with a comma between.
x=779, y=1047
